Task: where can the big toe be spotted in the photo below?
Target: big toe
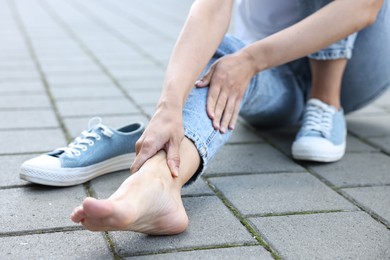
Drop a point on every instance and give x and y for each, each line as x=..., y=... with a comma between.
x=94, y=208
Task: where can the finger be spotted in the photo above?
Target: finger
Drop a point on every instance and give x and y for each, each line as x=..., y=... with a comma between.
x=227, y=115
x=219, y=110
x=173, y=157
x=236, y=112
x=212, y=98
x=146, y=151
x=138, y=144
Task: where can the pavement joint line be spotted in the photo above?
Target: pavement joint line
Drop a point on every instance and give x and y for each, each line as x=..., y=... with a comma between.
x=339, y=191
x=189, y=249
x=256, y=235
x=198, y=195
x=111, y=245
x=105, y=115
x=119, y=36
x=332, y=186
x=226, y=174
x=367, y=142
x=41, y=231
x=85, y=48
x=24, y=153
x=15, y=109
x=38, y=66
x=362, y=186
x=367, y=210
x=294, y=213
x=10, y=187
x=32, y=128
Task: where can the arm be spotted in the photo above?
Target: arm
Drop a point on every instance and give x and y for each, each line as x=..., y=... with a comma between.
x=229, y=76
x=203, y=31
x=330, y=24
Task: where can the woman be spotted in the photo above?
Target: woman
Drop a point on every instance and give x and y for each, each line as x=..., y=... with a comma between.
x=268, y=81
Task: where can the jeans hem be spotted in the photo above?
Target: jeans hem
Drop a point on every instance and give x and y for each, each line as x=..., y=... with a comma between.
x=332, y=54
x=202, y=150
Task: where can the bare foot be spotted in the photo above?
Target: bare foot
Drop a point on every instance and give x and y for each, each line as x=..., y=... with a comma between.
x=148, y=202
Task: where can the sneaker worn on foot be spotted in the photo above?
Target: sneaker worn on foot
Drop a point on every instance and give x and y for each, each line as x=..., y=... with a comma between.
x=322, y=134
x=97, y=151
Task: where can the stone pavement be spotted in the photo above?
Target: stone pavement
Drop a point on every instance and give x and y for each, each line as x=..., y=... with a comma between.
x=64, y=61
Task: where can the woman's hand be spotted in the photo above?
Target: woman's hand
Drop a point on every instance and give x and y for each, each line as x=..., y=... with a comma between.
x=228, y=79
x=165, y=131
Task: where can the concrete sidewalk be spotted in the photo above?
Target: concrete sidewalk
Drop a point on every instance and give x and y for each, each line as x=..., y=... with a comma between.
x=64, y=61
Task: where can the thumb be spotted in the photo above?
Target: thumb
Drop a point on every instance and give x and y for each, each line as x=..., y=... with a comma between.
x=173, y=157
x=205, y=80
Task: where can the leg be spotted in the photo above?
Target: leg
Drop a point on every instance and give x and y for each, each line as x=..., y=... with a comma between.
x=148, y=201
x=326, y=80
x=322, y=136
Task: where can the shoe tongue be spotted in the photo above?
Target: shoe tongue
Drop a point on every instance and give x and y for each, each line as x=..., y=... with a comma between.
x=313, y=133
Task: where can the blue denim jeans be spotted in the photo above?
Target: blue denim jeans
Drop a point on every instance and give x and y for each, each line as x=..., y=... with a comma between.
x=277, y=96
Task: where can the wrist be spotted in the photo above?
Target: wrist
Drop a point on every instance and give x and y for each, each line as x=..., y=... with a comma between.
x=171, y=105
x=256, y=57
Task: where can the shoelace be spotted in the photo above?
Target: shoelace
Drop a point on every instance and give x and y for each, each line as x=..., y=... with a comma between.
x=318, y=119
x=82, y=142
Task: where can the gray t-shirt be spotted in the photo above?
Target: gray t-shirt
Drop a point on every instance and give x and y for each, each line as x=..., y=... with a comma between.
x=257, y=19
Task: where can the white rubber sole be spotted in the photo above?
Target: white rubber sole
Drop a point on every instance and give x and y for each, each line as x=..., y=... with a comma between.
x=317, y=151
x=74, y=176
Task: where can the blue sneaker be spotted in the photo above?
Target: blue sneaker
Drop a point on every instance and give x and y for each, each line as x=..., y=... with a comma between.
x=98, y=151
x=322, y=134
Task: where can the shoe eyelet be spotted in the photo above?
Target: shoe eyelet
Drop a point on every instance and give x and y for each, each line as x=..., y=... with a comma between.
x=91, y=143
x=98, y=137
x=78, y=153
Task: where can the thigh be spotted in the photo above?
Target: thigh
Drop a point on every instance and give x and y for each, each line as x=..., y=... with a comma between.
x=368, y=72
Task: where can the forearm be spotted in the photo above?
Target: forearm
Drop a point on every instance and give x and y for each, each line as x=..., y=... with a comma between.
x=330, y=24
x=203, y=31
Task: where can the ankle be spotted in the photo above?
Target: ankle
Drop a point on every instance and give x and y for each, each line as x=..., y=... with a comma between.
x=334, y=102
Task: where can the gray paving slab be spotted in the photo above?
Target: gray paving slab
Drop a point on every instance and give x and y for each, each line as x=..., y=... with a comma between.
x=242, y=134
x=137, y=73
x=381, y=142
x=38, y=207
x=114, y=106
x=76, y=125
x=24, y=101
x=370, y=126
x=26, y=141
x=356, y=169
x=145, y=97
x=211, y=225
x=279, y=193
x=342, y=235
x=28, y=119
x=247, y=252
x=19, y=73
x=250, y=158
x=81, y=79
x=10, y=165
x=60, y=245
x=373, y=199
x=76, y=93
x=384, y=100
x=21, y=88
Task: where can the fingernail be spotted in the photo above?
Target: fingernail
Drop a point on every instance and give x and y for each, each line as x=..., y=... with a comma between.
x=198, y=82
